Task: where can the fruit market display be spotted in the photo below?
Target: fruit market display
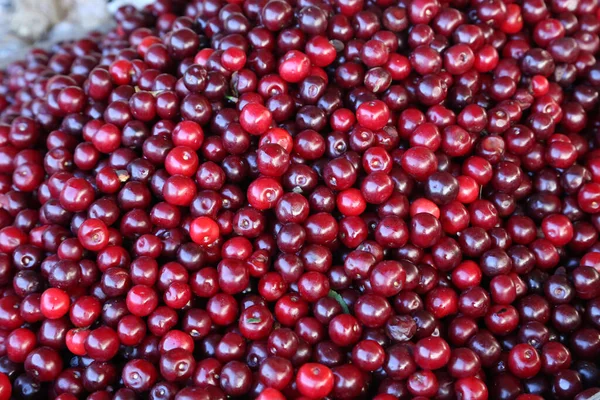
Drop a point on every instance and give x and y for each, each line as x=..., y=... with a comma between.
x=305, y=199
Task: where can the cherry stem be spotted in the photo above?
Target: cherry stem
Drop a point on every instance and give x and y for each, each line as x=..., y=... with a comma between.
x=336, y=296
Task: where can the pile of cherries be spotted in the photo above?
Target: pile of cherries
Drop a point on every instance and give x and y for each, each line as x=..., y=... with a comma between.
x=305, y=199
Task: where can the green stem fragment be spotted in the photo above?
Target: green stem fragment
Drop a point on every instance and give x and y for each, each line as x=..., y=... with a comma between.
x=336, y=296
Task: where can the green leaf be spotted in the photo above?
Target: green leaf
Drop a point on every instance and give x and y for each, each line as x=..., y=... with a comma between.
x=336, y=296
x=253, y=320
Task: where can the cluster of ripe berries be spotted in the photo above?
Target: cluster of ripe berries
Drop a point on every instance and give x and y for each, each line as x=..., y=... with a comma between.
x=305, y=199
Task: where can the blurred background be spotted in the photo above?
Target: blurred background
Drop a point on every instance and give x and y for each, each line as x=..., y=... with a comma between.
x=40, y=23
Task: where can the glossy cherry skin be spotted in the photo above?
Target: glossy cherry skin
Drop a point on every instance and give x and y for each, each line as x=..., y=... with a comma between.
x=314, y=380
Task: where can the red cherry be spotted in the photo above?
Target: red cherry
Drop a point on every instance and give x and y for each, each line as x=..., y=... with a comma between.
x=204, y=231
x=54, y=303
x=314, y=380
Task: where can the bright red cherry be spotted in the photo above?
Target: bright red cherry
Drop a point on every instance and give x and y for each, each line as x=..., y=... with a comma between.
x=54, y=303
x=314, y=380
x=524, y=361
x=204, y=231
x=294, y=66
x=255, y=118
x=373, y=115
